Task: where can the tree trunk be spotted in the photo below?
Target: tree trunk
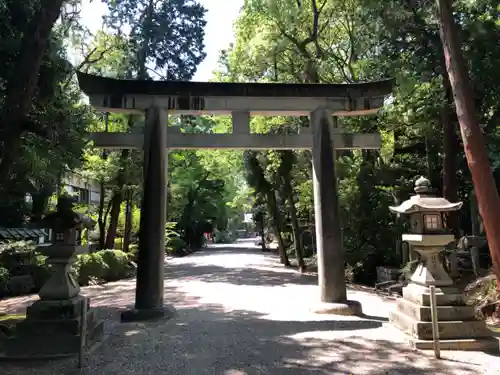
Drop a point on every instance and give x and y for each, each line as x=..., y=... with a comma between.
x=127, y=232
x=450, y=151
x=40, y=202
x=276, y=222
x=297, y=236
x=262, y=234
x=474, y=144
x=21, y=87
x=117, y=199
x=101, y=218
x=114, y=214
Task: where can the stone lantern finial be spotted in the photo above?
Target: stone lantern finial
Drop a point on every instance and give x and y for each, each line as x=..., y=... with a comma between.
x=423, y=186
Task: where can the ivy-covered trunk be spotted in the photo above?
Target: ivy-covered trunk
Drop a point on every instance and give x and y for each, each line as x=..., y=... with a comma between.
x=276, y=222
x=101, y=217
x=117, y=200
x=297, y=236
x=127, y=232
x=114, y=215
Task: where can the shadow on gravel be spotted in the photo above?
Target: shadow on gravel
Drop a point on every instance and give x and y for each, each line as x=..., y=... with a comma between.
x=237, y=276
x=207, y=339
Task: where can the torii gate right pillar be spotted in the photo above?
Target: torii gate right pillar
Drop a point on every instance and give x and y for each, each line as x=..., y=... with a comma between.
x=330, y=251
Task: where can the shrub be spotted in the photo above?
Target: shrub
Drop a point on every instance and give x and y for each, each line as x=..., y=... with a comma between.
x=174, y=244
x=90, y=268
x=132, y=251
x=118, y=243
x=223, y=237
x=117, y=264
x=20, y=285
x=15, y=255
x=4, y=278
x=20, y=258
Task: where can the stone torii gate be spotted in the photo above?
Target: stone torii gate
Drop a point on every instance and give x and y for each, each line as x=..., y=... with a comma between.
x=157, y=99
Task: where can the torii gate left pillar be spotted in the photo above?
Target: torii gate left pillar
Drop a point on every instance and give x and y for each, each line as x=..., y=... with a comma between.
x=151, y=257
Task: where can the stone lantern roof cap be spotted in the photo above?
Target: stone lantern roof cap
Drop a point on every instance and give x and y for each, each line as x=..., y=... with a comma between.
x=425, y=201
x=65, y=218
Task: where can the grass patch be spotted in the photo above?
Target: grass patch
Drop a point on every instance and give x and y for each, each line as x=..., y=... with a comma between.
x=7, y=317
x=8, y=321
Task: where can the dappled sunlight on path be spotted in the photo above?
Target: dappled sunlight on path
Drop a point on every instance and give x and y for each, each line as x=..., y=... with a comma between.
x=240, y=312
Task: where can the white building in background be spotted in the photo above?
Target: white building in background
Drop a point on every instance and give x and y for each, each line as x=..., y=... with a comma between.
x=88, y=191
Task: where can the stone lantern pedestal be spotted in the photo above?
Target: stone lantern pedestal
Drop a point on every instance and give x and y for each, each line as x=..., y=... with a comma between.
x=458, y=327
x=52, y=327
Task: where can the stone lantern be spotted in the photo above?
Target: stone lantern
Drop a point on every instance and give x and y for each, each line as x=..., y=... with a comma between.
x=66, y=227
x=458, y=328
x=428, y=233
x=53, y=324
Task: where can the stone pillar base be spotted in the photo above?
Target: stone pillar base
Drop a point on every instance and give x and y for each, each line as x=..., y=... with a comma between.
x=458, y=328
x=348, y=307
x=140, y=315
x=51, y=330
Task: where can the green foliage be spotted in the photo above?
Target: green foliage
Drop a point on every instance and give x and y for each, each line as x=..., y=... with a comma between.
x=4, y=278
x=155, y=34
x=20, y=258
x=102, y=266
x=90, y=268
x=174, y=244
x=136, y=218
x=17, y=255
x=52, y=134
x=223, y=236
x=132, y=251
x=275, y=41
x=117, y=264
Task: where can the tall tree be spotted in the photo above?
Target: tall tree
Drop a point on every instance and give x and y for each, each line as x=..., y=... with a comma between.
x=473, y=139
x=23, y=81
x=165, y=41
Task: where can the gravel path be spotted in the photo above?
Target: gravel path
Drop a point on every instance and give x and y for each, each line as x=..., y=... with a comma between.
x=240, y=313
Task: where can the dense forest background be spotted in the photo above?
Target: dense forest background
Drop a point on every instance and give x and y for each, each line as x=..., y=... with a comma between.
x=44, y=117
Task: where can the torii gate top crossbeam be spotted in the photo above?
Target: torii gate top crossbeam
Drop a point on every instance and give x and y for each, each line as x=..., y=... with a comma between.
x=203, y=98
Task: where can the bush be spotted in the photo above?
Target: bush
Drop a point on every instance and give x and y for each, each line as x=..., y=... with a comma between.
x=20, y=285
x=174, y=244
x=20, y=258
x=4, y=278
x=118, y=243
x=117, y=265
x=132, y=251
x=15, y=255
x=90, y=268
x=223, y=237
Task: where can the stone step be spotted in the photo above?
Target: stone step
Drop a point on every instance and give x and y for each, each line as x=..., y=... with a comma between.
x=447, y=330
x=57, y=345
x=444, y=296
x=445, y=313
x=485, y=344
